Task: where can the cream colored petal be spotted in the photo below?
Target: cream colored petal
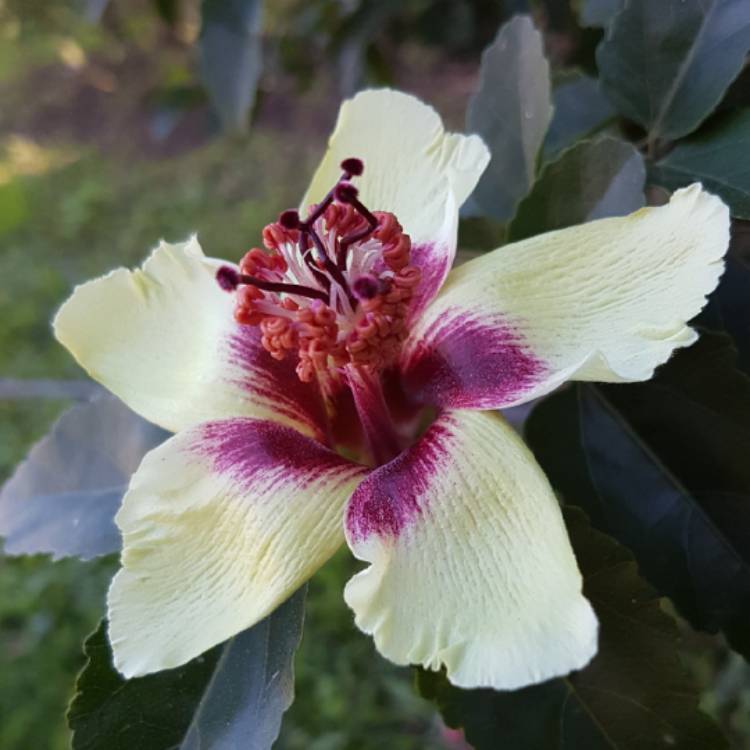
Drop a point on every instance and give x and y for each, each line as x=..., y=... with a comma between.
x=470, y=563
x=413, y=168
x=220, y=525
x=163, y=339
x=607, y=301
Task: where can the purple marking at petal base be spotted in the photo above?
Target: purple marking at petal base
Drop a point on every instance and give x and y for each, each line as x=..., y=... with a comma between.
x=249, y=450
x=434, y=261
x=393, y=496
x=465, y=362
x=275, y=380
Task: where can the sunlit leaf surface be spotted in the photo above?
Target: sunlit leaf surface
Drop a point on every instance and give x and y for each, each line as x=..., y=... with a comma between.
x=590, y=180
x=511, y=111
x=580, y=108
x=63, y=498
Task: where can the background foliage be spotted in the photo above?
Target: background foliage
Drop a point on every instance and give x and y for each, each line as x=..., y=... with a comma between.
x=124, y=122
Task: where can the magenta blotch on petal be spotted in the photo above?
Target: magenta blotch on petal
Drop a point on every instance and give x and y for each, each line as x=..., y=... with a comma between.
x=434, y=264
x=221, y=524
x=248, y=448
x=465, y=362
x=394, y=495
x=276, y=380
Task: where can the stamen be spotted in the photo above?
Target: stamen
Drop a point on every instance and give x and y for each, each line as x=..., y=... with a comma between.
x=328, y=264
x=352, y=238
x=357, y=306
x=304, y=249
x=349, y=195
x=352, y=167
x=345, y=192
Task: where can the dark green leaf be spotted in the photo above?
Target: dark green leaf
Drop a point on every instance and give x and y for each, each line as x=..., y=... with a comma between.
x=511, y=111
x=667, y=64
x=717, y=158
x=589, y=181
x=665, y=471
x=231, y=698
x=553, y=432
x=599, y=12
x=635, y=694
x=230, y=45
x=731, y=303
x=580, y=109
x=63, y=498
x=669, y=462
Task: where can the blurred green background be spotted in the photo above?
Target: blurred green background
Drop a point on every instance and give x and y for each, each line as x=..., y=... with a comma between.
x=108, y=143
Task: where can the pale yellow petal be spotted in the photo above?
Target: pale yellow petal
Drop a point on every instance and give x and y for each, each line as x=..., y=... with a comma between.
x=470, y=563
x=163, y=339
x=413, y=168
x=220, y=525
x=609, y=300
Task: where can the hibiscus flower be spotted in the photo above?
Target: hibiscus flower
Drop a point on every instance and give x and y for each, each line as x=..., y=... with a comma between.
x=343, y=385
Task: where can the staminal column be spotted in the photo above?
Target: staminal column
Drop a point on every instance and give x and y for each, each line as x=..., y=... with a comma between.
x=380, y=433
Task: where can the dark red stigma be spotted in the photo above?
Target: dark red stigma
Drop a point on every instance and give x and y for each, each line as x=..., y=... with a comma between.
x=343, y=192
x=366, y=287
x=228, y=278
x=353, y=167
x=289, y=219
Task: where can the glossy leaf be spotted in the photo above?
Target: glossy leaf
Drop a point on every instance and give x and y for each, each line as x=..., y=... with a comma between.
x=580, y=109
x=589, y=181
x=599, y=12
x=635, y=694
x=717, y=158
x=511, y=111
x=667, y=64
x=662, y=466
x=231, y=698
x=553, y=432
x=63, y=498
x=231, y=59
x=730, y=306
x=674, y=483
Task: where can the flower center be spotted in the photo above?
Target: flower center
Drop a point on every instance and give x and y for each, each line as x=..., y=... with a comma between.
x=333, y=289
